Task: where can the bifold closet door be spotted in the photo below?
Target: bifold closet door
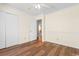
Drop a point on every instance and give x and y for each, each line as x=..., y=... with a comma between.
x=2, y=31
x=11, y=30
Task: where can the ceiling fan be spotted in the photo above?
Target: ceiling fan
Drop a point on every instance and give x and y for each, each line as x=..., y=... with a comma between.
x=40, y=5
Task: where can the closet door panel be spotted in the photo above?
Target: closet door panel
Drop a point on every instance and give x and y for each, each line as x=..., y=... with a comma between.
x=11, y=30
x=2, y=31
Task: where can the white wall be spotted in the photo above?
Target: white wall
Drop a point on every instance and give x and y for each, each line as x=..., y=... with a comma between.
x=24, y=21
x=62, y=27
x=32, y=29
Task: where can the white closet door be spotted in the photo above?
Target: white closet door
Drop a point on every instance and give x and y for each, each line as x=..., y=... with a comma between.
x=2, y=31
x=11, y=30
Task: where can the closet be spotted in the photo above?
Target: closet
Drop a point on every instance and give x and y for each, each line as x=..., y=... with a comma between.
x=2, y=31
x=8, y=30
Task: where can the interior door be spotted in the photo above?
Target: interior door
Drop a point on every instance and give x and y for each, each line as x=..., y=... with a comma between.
x=2, y=31
x=11, y=30
x=39, y=30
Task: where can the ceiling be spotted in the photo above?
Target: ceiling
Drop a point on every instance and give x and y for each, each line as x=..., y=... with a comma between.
x=45, y=7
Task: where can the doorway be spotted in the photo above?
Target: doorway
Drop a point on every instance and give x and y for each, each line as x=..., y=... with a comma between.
x=39, y=30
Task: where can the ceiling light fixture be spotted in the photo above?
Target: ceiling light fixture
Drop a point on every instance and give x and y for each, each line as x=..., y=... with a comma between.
x=37, y=6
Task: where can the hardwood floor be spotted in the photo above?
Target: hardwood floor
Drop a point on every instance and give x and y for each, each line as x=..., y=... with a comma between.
x=35, y=49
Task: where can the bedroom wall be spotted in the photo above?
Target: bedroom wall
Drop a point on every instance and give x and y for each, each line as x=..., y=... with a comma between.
x=24, y=21
x=62, y=27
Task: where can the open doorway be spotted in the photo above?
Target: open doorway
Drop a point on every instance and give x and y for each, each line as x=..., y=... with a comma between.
x=39, y=30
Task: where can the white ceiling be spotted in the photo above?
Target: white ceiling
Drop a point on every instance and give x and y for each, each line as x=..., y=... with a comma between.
x=45, y=7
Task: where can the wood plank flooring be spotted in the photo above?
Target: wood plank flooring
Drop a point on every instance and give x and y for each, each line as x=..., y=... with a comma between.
x=35, y=49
